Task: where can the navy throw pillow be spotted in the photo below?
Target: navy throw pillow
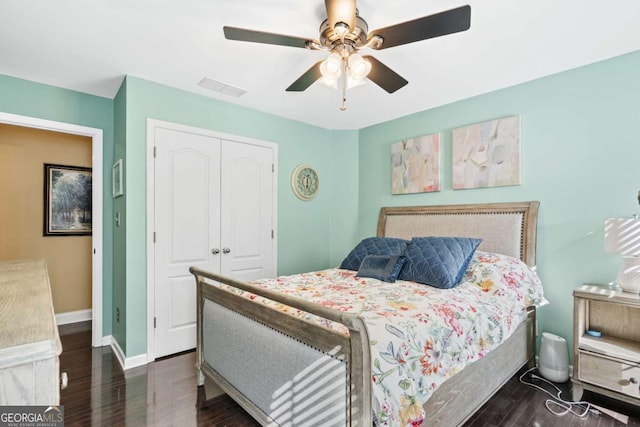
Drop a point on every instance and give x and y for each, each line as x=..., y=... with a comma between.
x=373, y=246
x=438, y=261
x=381, y=267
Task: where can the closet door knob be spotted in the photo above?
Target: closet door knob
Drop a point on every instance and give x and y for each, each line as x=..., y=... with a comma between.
x=226, y=250
x=215, y=251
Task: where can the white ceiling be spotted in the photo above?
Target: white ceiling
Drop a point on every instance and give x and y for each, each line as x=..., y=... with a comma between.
x=89, y=46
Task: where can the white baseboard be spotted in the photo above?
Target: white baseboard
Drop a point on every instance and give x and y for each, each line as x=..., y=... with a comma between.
x=107, y=340
x=127, y=362
x=73, y=317
x=135, y=361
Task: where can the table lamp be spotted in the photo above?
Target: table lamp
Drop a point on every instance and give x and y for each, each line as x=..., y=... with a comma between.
x=622, y=236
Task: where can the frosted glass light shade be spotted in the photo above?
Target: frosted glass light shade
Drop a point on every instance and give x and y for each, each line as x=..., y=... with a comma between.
x=332, y=83
x=358, y=66
x=331, y=68
x=351, y=82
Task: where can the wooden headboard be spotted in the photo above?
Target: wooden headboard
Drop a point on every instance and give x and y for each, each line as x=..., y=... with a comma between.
x=505, y=228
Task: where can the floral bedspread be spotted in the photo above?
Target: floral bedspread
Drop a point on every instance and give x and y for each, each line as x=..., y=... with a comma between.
x=421, y=335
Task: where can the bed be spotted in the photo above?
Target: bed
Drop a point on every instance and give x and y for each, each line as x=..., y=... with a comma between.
x=289, y=361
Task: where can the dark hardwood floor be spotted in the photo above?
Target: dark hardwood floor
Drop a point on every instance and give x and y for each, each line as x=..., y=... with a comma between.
x=164, y=393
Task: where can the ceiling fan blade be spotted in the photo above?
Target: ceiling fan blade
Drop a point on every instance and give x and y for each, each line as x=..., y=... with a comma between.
x=341, y=11
x=384, y=76
x=243, y=35
x=440, y=24
x=307, y=79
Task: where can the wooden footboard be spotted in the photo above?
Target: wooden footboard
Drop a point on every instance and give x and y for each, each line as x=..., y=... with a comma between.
x=328, y=370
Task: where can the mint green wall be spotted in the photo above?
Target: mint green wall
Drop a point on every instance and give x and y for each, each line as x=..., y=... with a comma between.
x=305, y=240
x=580, y=144
x=31, y=99
x=343, y=181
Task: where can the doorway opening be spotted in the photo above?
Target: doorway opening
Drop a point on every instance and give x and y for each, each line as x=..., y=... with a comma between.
x=97, y=205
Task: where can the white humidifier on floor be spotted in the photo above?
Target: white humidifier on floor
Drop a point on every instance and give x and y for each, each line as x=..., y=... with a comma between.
x=553, y=361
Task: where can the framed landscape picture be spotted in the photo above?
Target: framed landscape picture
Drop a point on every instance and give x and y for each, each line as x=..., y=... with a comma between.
x=67, y=200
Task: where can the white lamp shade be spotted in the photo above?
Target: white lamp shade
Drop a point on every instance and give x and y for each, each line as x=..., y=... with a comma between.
x=622, y=236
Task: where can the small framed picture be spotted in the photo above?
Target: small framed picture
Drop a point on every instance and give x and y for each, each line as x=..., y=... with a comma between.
x=117, y=183
x=67, y=200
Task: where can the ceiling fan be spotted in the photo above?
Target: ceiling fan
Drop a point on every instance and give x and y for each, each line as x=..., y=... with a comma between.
x=344, y=33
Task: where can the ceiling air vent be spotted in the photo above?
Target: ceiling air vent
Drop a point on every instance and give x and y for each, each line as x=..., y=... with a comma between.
x=223, y=88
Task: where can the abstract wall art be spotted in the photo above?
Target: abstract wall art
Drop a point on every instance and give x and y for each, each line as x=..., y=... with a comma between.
x=486, y=154
x=415, y=165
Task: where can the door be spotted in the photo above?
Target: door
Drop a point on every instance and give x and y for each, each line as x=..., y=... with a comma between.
x=187, y=221
x=247, y=211
x=214, y=209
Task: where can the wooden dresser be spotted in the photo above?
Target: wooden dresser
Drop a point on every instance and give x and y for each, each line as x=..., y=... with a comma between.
x=29, y=340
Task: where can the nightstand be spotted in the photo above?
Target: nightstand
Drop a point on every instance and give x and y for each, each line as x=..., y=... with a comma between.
x=609, y=364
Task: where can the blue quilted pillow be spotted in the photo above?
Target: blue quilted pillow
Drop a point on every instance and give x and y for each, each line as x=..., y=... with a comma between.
x=381, y=267
x=438, y=261
x=373, y=246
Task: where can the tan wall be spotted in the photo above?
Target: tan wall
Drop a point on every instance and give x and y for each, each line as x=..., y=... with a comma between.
x=23, y=152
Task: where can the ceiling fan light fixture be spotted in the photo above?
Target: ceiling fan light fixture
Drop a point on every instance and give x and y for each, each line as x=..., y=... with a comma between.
x=331, y=68
x=359, y=67
x=344, y=33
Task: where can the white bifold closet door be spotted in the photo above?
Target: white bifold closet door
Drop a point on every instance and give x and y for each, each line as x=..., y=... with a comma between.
x=214, y=210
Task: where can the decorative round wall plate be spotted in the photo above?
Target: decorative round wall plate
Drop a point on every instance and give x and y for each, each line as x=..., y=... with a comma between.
x=305, y=182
